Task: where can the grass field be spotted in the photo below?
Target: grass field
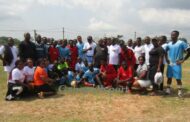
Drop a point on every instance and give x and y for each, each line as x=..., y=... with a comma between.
x=97, y=105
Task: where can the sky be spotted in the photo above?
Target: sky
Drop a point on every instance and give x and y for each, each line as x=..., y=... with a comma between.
x=98, y=18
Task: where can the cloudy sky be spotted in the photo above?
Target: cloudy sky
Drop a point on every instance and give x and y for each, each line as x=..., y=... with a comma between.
x=94, y=17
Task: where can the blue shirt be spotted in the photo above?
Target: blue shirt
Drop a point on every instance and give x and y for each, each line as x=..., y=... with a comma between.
x=80, y=49
x=64, y=52
x=175, y=51
x=91, y=75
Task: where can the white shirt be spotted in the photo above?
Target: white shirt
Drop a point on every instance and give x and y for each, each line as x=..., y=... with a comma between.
x=114, y=51
x=147, y=49
x=130, y=48
x=29, y=73
x=17, y=75
x=88, y=45
x=139, y=50
x=14, y=50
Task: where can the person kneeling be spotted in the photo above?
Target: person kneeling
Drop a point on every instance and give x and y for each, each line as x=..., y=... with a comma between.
x=17, y=87
x=125, y=77
x=141, y=81
x=42, y=83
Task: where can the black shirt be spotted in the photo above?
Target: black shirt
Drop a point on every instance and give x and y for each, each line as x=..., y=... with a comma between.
x=27, y=50
x=155, y=54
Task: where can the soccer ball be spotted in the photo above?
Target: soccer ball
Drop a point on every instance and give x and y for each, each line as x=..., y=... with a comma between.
x=74, y=84
x=158, y=78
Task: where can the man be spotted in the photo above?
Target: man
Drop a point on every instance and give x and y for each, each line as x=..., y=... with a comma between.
x=114, y=53
x=8, y=54
x=88, y=49
x=130, y=44
x=125, y=77
x=74, y=54
x=127, y=55
x=175, y=50
x=27, y=49
x=147, y=47
x=40, y=48
x=80, y=46
x=90, y=77
x=53, y=52
x=64, y=51
x=100, y=53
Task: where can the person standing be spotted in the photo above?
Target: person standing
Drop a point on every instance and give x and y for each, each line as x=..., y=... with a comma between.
x=156, y=64
x=114, y=54
x=8, y=54
x=40, y=48
x=175, y=50
x=88, y=49
x=74, y=54
x=100, y=53
x=53, y=52
x=138, y=50
x=27, y=49
x=64, y=52
x=80, y=46
x=147, y=48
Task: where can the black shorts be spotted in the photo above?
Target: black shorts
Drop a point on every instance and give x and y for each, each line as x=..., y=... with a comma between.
x=44, y=88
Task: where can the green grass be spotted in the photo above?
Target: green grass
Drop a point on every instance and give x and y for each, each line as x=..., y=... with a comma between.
x=90, y=104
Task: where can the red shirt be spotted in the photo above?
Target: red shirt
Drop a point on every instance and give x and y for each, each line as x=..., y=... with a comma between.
x=128, y=56
x=109, y=69
x=74, y=51
x=125, y=74
x=53, y=53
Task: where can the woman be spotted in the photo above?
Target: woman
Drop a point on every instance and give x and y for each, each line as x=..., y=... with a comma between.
x=156, y=64
x=42, y=83
x=141, y=81
x=29, y=71
x=17, y=86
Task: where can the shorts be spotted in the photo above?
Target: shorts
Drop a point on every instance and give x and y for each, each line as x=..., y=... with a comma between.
x=144, y=83
x=44, y=88
x=174, y=71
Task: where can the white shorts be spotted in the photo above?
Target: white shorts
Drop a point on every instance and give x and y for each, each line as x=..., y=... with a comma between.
x=144, y=83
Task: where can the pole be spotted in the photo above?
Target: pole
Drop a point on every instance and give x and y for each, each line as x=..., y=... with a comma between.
x=135, y=35
x=63, y=33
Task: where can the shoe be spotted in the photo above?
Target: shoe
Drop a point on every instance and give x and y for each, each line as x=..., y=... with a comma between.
x=168, y=91
x=180, y=93
x=41, y=95
x=9, y=98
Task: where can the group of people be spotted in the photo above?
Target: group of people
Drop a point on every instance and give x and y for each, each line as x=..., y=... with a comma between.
x=41, y=67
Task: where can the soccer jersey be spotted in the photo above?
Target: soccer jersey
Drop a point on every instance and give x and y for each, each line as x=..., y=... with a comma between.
x=80, y=49
x=64, y=52
x=38, y=75
x=91, y=75
x=125, y=74
x=175, y=51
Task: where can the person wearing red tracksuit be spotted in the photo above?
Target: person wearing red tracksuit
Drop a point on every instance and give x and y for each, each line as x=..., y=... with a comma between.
x=74, y=54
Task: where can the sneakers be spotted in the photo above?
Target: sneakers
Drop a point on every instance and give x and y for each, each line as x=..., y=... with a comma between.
x=168, y=90
x=180, y=93
x=9, y=98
